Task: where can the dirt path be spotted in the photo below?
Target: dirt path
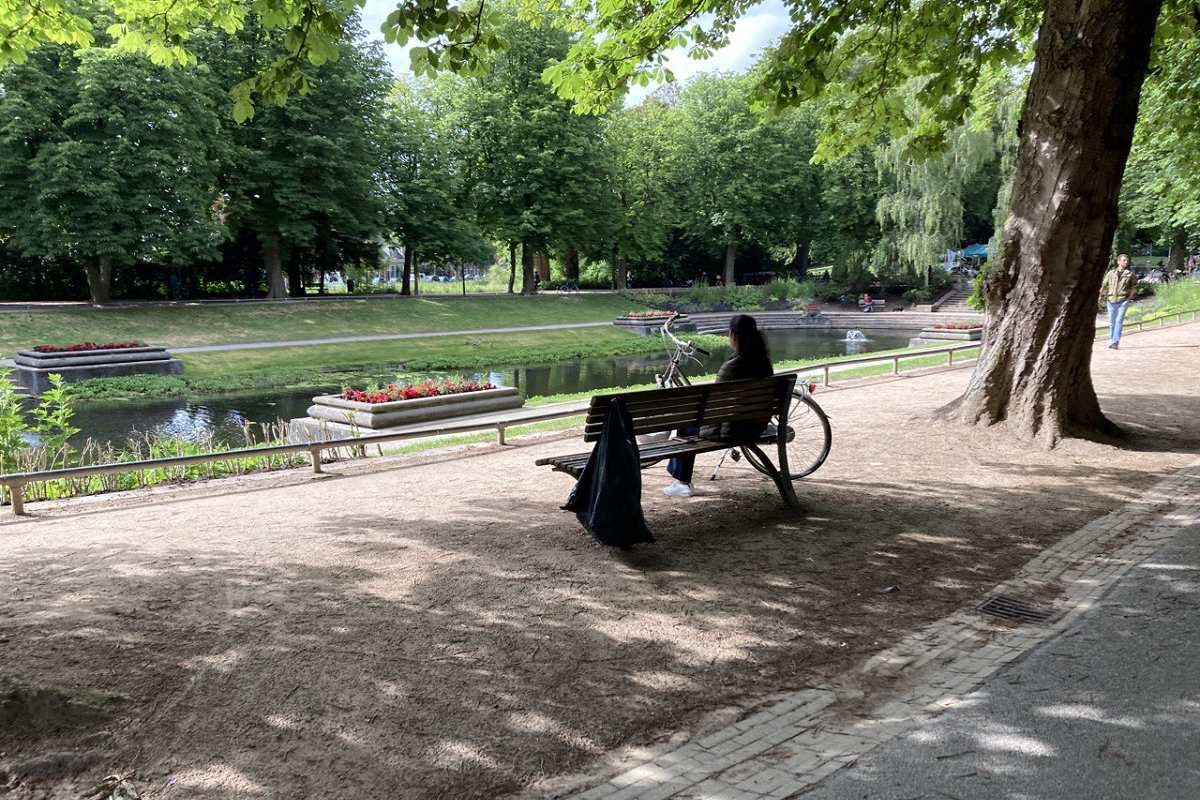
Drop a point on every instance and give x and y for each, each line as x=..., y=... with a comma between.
x=437, y=628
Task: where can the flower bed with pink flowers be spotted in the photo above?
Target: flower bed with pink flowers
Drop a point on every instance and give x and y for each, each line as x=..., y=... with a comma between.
x=84, y=347
x=395, y=405
x=395, y=392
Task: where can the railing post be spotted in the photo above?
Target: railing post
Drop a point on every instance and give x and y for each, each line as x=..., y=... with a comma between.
x=315, y=455
x=895, y=365
x=826, y=369
x=949, y=358
x=500, y=432
x=17, y=490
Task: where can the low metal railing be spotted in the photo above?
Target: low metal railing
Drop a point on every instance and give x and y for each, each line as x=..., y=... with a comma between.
x=16, y=482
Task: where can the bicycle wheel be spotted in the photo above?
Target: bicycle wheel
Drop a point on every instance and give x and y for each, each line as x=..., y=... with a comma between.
x=809, y=438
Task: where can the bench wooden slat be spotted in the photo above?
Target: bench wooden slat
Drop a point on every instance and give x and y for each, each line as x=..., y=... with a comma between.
x=658, y=410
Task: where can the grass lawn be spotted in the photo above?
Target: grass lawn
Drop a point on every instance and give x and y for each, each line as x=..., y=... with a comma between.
x=429, y=354
x=191, y=325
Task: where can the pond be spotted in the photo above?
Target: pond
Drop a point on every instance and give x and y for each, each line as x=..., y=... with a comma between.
x=225, y=416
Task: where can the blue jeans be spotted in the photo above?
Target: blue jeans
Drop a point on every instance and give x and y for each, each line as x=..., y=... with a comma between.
x=1116, y=319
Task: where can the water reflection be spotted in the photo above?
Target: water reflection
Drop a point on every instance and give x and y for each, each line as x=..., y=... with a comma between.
x=225, y=416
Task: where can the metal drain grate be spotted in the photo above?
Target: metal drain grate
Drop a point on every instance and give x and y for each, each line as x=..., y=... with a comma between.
x=1014, y=609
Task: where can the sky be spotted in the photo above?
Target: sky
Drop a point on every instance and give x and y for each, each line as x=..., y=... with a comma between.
x=761, y=26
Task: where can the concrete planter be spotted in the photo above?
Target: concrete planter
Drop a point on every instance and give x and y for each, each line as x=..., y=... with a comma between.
x=378, y=416
x=33, y=368
x=953, y=335
x=644, y=326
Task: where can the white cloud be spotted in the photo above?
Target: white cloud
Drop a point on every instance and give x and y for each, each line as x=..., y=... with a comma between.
x=763, y=24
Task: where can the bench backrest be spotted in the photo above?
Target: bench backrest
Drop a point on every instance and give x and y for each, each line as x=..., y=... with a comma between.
x=656, y=410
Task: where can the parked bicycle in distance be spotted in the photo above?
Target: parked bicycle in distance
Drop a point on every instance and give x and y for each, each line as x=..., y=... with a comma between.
x=809, y=434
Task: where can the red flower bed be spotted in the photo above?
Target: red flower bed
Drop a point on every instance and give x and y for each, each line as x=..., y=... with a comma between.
x=650, y=313
x=85, y=346
x=959, y=327
x=393, y=392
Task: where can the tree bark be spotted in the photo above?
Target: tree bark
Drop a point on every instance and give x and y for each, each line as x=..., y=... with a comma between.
x=99, y=278
x=801, y=261
x=571, y=265
x=295, y=276
x=730, y=263
x=416, y=267
x=528, y=256
x=1177, y=261
x=1034, y=371
x=276, y=287
x=512, y=266
x=405, y=286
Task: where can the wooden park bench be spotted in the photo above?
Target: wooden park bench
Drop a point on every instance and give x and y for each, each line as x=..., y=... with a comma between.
x=666, y=410
x=875, y=303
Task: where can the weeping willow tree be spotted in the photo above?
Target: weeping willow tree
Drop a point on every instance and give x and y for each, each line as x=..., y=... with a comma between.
x=921, y=213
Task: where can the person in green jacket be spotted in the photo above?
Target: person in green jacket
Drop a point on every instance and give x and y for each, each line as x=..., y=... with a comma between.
x=1118, y=289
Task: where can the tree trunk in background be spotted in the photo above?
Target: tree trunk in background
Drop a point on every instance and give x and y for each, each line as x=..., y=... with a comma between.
x=527, y=261
x=275, y=284
x=99, y=278
x=800, y=261
x=512, y=266
x=416, y=269
x=730, y=263
x=405, y=285
x=543, y=266
x=1034, y=372
x=295, y=280
x=1177, y=261
x=571, y=265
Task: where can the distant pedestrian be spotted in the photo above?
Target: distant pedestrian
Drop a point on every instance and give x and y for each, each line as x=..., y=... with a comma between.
x=1118, y=289
x=842, y=301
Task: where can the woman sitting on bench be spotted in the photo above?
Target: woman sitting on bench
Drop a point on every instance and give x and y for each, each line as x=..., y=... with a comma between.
x=751, y=359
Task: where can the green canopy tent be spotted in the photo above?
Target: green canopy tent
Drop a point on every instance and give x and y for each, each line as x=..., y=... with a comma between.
x=975, y=251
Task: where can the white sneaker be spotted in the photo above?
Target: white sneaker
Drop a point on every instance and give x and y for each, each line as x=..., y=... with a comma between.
x=677, y=489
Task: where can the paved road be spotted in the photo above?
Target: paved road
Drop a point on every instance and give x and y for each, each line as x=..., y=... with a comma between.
x=1108, y=709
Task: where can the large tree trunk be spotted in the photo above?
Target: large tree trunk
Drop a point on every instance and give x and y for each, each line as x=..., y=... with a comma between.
x=99, y=278
x=512, y=266
x=801, y=261
x=571, y=265
x=1034, y=371
x=276, y=287
x=730, y=263
x=528, y=257
x=295, y=276
x=416, y=269
x=405, y=286
x=1176, y=263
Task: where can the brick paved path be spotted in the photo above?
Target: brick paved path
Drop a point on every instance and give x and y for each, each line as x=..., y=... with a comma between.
x=785, y=750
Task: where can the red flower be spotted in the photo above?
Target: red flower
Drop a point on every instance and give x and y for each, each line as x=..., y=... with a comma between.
x=392, y=392
x=85, y=346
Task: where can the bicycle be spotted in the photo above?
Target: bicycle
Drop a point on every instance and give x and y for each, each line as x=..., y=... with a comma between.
x=809, y=433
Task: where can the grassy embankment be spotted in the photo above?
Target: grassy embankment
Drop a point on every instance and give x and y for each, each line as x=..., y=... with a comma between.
x=325, y=364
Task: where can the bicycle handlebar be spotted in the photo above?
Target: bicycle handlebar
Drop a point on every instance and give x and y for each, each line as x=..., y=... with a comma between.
x=666, y=330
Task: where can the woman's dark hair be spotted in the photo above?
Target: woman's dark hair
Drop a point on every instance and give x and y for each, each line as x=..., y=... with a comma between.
x=751, y=344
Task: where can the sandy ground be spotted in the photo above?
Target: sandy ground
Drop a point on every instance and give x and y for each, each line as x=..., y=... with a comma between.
x=435, y=627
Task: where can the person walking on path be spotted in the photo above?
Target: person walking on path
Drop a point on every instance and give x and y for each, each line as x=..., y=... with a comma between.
x=1118, y=289
x=751, y=359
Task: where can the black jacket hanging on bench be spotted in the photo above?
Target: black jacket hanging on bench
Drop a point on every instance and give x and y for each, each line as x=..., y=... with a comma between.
x=607, y=499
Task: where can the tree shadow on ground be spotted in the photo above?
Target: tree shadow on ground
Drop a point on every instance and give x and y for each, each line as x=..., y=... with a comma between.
x=366, y=655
